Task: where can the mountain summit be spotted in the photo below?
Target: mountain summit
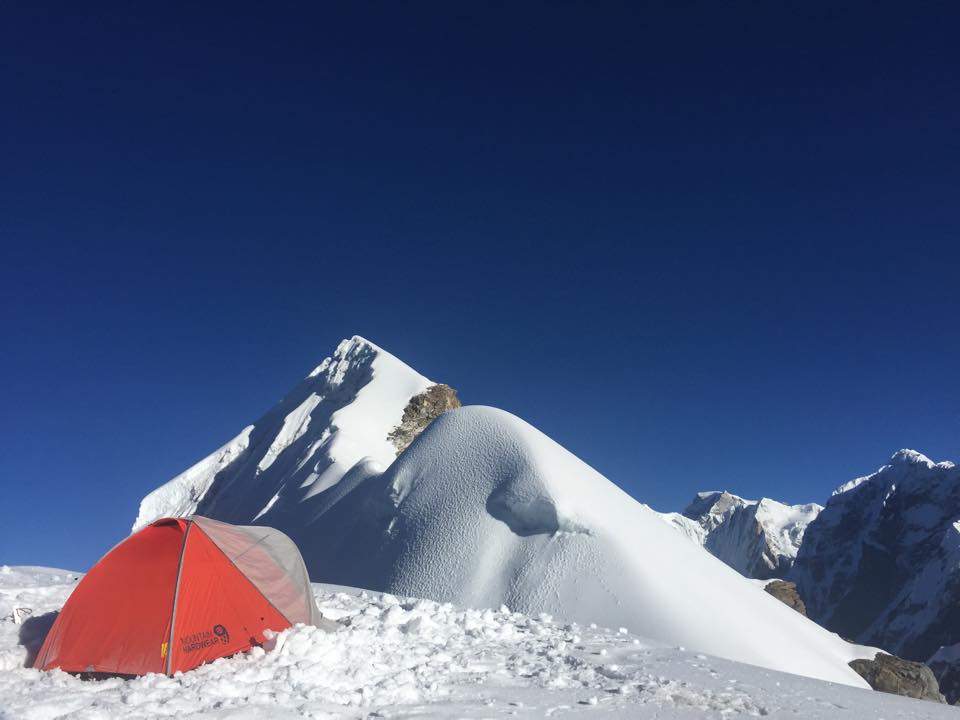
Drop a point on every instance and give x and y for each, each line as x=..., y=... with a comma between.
x=757, y=538
x=881, y=563
x=340, y=422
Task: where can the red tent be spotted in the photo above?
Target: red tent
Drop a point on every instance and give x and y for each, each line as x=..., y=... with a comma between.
x=180, y=592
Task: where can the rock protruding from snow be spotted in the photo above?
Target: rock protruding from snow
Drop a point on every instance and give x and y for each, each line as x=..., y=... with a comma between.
x=335, y=423
x=881, y=563
x=759, y=539
x=422, y=410
x=890, y=674
x=786, y=592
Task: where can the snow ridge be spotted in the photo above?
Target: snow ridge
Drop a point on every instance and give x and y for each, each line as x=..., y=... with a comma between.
x=483, y=510
x=334, y=422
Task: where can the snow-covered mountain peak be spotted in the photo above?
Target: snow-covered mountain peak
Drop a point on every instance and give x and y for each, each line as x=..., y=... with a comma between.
x=910, y=457
x=337, y=420
x=758, y=538
x=882, y=561
x=905, y=465
x=710, y=508
x=351, y=354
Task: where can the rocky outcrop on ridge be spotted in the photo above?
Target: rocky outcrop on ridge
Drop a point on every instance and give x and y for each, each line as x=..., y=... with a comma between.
x=786, y=592
x=422, y=410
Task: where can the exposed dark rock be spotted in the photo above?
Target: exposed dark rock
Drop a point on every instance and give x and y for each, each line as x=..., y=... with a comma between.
x=890, y=674
x=786, y=592
x=422, y=410
x=946, y=668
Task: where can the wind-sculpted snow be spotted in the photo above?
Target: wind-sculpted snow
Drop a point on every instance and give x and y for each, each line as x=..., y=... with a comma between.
x=395, y=657
x=488, y=510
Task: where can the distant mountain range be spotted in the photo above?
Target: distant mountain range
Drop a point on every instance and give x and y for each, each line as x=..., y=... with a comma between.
x=879, y=564
x=759, y=539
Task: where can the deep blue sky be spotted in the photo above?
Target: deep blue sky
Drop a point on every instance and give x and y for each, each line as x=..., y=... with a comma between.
x=701, y=245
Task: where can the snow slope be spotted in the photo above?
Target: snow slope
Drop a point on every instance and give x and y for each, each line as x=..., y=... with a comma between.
x=402, y=658
x=759, y=539
x=488, y=510
x=335, y=422
x=881, y=563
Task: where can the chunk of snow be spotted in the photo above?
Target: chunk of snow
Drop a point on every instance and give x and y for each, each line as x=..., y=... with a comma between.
x=371, y=667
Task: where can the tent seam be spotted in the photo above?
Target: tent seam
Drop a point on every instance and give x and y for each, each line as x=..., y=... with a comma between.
x=176, y=596
x=244, y=575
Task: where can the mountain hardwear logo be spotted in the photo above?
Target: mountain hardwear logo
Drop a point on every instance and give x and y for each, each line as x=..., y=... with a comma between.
x=221, y=632
x=205, y=639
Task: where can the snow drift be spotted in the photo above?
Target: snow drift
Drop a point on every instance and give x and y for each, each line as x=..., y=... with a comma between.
x=482, y=510
x=403, y=657
x=489, y=510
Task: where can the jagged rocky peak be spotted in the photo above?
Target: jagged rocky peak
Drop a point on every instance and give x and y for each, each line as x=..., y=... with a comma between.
x=758, y=538
x=333, y=424
x=881, y=564
x=710, y=508
x=422, y=410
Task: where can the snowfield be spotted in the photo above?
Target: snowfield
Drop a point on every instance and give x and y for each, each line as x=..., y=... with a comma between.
x=400, y=658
